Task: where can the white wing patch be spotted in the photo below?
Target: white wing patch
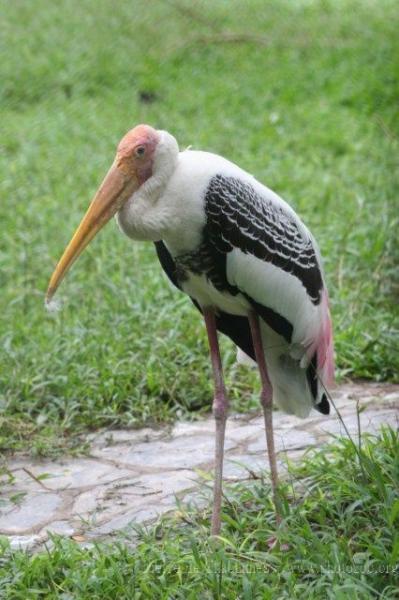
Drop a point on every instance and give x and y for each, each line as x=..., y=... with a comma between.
x=205, y=293
x=277, y=289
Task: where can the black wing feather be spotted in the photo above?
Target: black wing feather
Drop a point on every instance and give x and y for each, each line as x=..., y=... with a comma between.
x=239, y=217
x=235, y=327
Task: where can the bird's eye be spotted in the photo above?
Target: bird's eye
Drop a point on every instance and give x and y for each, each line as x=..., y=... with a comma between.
x=140, y=151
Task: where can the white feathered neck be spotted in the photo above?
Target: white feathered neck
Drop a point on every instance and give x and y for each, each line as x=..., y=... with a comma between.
x=142, y=217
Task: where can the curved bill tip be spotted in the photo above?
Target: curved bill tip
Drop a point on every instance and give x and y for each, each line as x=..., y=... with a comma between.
x=116, y=188
x=52, y=305
x=48, y=300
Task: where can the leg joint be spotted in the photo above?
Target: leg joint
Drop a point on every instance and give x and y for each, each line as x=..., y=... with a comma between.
x=220, y=406
x=266, y=398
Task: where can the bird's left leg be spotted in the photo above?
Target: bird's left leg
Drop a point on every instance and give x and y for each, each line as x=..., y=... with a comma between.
x=267, y=405
x=220, y=407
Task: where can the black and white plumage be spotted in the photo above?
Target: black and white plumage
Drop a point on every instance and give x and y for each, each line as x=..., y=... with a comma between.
x=243, y=256
x=252, y=250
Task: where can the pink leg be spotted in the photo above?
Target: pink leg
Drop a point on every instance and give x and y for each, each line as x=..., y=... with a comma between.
x=220, y=407
x=267, y=405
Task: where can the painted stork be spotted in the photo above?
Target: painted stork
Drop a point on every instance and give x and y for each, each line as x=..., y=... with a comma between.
x=243, y=256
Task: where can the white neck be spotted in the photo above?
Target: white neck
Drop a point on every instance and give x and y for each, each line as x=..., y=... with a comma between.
x=142, y=217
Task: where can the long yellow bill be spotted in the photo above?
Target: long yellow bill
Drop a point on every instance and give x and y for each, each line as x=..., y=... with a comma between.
x=116, y=188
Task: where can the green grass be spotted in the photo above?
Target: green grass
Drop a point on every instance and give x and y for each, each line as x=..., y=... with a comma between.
x=339, y=539
x=312, y=112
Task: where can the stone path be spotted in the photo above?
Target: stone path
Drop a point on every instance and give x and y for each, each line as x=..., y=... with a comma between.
x=133, y=476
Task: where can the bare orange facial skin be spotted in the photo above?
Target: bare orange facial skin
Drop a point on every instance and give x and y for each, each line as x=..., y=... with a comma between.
x=135, y=152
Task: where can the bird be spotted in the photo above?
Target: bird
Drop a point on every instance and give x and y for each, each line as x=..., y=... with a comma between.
x=244, y=257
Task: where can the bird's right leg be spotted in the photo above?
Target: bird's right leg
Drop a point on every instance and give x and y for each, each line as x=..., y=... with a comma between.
x=267, y=405
x=220, y=407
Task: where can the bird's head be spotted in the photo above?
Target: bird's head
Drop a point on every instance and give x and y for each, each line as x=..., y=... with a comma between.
x=133, y=165
x=135, y=153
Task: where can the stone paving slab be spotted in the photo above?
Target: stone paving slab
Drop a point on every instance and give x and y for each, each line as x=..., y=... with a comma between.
x=134, y=476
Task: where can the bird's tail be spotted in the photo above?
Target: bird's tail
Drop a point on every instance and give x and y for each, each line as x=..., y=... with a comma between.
x=320, y=352
x=291, y=388
x=299, y=382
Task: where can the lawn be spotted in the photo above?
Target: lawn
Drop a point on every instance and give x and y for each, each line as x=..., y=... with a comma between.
x=302, y=94
x=339, y=539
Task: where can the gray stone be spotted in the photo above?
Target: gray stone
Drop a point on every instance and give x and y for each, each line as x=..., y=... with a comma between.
x=35, y=510
x=165, y=484
x=112, y=437
x=374, y=419
x=370, y=422
x=25, y=542
x=241, y=432
x=22, y=481
x=291, y=439
x=77, y=473
x=103, y=503
x=87, y=502
x=99, y=506
x=176, y=453
x=193, y=428
x=393, y=397
x=59, y=528
x=131, y=517
x=238, y=467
